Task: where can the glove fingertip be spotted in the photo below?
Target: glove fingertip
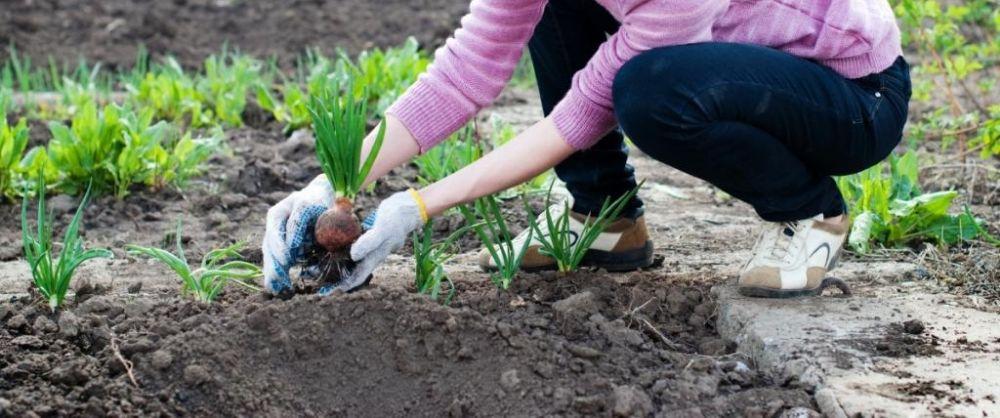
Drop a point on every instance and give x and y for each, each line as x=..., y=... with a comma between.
x=363, y=246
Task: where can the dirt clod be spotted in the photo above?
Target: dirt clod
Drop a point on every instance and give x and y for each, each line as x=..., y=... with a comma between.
x=629, y=401
x=913, y=326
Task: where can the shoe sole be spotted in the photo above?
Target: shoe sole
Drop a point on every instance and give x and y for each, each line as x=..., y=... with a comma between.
x=766, y=292
x=616, y=262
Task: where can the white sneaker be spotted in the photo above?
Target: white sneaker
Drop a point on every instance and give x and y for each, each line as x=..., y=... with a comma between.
x=791, y=259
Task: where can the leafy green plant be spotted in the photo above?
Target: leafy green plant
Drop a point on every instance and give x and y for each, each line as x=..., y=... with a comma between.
x=216, y=96
x=488, y=222
x=568, y=247
x=85, y=152
x=114, y=148
x=959, y=43
x=451, y=155
x=890, y=210
x=340, y=123
x=179, y=158
x=172, y=95
x=226, y=81
x=380, y=76
x=13, y=141
x=377, y=77
x=218, y=268
x=52, y=276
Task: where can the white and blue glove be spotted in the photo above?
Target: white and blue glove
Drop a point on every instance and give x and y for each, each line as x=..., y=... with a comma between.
x=397, y=217
x=289, y=232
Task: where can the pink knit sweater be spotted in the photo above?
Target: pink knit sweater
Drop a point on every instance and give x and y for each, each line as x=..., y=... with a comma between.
x=854, y=37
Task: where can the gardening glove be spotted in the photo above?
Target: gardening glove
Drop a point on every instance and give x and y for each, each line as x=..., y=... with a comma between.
x=289, y=231
x=398, y=216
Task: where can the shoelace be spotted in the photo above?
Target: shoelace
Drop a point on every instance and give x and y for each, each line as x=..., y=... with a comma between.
x=781, y=238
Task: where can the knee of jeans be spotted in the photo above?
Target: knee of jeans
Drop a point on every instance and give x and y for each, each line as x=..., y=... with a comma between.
x=644, y=105
x=633, y=101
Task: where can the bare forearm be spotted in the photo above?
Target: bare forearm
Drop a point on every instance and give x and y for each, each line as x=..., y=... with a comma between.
x=535, y=150
x=398, y=147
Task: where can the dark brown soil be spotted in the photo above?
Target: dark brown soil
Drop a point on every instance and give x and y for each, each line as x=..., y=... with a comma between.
x=578, y=345
x=902, y=339
x=109, y=31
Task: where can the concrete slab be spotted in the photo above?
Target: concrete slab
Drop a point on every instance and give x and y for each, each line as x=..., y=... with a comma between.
x=838, y=347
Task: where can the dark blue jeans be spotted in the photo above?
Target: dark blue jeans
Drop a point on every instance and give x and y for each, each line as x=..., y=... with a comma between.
x=568, y=34
x=765, y=126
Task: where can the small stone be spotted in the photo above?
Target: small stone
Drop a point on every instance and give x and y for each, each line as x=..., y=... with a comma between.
x=509, y=380
x=4, y=407
x=581, y=304
x=5, y=309
x=69, y=324
x=195, y=375
x=161, y=359
x=134, y=288
x=28, y=341
x=913, y=326
x=630, y=401
x=44, y=325
x=583, y=351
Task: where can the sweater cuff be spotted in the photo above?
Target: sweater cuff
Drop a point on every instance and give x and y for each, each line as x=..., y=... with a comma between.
x=582, y=122
x=429, y=115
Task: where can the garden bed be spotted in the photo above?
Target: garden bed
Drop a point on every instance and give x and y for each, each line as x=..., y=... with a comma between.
x=587, y=344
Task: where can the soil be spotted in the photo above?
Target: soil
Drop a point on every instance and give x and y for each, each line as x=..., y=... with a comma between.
x=579, y=345
x=110, y=31
x=901, y=339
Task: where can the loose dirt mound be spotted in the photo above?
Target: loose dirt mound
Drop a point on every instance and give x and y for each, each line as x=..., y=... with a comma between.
x=580, y=345
x=109, y=31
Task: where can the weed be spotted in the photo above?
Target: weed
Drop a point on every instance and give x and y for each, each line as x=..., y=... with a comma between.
x=218, y=268
x=890, y=210
x=567, y=246
x=488, y=222
x=52, y=276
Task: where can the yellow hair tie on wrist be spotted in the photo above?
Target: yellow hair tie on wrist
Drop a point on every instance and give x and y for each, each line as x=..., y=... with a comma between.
x=420, y=204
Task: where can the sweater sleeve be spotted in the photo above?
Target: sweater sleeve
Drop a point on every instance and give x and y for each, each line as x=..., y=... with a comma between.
x=469, y=71
x=585, y=114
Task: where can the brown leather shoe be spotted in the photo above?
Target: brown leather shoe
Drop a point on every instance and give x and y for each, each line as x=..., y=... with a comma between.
x=623, y=246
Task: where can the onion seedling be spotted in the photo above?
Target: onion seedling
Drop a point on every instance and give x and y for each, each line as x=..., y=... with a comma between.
x=52, y=276
x=569, y=247
x=218, y=268
x=430, y=258
x=497, y=238
x=340, y=123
